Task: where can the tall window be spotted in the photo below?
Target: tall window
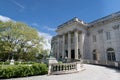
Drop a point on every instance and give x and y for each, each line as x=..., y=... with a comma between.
x=94, y=54
x=111, y=54
x=108, y=36
x=94, y=38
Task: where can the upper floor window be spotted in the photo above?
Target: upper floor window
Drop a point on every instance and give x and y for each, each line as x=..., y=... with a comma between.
x=94, y=38
x=108, y=36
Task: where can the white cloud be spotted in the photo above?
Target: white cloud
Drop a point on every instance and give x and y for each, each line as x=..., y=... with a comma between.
x=47, y=38
x=35, y=24
x=4, y=19
x=49, y=28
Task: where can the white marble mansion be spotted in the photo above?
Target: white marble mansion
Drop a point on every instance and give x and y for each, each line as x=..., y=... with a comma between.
x=97, y=41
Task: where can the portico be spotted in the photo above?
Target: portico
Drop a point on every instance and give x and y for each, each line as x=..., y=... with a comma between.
x=70, y=40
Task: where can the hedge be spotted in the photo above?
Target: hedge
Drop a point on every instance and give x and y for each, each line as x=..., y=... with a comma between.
x=16, y=63
x=11, y=71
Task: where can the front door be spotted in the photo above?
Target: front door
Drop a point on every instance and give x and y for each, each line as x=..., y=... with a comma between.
x=72, y=54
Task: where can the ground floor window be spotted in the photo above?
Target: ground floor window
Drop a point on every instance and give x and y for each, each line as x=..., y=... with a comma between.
x=111, y=54
x=94, y=54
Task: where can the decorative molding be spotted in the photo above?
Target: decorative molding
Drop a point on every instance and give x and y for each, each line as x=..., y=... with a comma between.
x=115, y=27
x=100, y=31
x=105, y=21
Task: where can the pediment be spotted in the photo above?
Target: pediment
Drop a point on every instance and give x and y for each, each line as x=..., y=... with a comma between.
x=73, y=24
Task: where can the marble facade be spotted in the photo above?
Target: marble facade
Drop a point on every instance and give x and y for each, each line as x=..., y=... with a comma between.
x=98, y=40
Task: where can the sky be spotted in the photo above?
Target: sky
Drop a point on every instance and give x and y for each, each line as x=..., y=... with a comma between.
x=46, y=15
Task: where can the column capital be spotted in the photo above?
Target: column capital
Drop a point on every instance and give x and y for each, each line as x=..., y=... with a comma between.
x=75, y=30
x=69, y=32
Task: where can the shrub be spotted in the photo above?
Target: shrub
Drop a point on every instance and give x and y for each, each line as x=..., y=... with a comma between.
x=10, y=71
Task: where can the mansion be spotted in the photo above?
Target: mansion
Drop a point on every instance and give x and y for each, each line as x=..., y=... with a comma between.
x=97, y=41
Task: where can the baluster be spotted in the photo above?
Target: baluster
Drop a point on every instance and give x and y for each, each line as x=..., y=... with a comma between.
x=56, y=68
x=70, y=67
x=59, y=67
x=62, y=68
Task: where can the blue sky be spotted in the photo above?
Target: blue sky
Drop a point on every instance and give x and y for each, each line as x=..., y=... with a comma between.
x=46, y=15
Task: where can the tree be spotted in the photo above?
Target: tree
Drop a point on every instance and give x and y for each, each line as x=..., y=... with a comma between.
x=19, y=40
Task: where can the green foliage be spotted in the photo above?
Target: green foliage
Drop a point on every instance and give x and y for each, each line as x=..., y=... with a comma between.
x=60, y=62
x=19, y=40
x=22, y=70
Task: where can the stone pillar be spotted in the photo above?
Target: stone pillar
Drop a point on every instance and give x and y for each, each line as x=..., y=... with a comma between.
x=82, y=36
x=63, y=46
x=69, y=45
x=58, y=47
x=76, y=44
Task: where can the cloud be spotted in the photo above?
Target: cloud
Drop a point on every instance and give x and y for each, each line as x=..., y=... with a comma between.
x=35, y=24
x=44, y=27
x=17, y=4
x=5, y=19
x=50, y=29
x=47, y=38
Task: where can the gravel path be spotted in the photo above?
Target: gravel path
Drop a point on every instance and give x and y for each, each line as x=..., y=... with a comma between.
x=91, y=72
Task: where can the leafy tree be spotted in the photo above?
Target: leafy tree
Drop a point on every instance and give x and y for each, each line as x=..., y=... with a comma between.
x=19, y=40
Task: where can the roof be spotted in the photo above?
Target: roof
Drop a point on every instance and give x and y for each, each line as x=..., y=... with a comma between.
x=75, y=19
x=105, y=18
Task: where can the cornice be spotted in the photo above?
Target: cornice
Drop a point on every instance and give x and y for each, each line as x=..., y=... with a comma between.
x=104, y=21
x=74, y=20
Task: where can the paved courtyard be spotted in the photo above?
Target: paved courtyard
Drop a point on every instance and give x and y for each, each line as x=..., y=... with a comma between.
x=91, y=72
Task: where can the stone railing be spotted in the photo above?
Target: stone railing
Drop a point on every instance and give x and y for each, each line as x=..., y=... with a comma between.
x=62, y=68
x=106, y=63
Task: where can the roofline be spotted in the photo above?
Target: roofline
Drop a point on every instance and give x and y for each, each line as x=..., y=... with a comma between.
x=75, y=19
x=105, y=18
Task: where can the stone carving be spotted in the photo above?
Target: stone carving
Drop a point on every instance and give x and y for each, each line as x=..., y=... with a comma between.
x=100, y=31
x=115, y=27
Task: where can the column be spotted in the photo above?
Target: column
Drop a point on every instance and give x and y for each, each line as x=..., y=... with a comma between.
x=58, y=48
x=82, y=36
x=63, y=46
x=69, y=45
x=76, y=44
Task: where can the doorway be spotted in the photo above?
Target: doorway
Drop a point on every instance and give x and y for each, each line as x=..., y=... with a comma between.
x=72, y=54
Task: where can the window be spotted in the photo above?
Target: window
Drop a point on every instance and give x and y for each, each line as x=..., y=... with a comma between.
x=94, y=38
x=94, y=54
x=108, y=36
x=110, y=54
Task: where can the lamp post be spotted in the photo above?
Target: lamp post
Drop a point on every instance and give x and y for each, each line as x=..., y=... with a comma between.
x=12, y=60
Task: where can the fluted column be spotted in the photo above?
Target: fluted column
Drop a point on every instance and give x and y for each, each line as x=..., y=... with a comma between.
x=76, y=43
x=69, y=45
x=63, y=46
x=58, y=48
x=82, y=36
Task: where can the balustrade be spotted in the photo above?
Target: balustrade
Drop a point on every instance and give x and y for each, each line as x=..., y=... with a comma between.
x=64, y=67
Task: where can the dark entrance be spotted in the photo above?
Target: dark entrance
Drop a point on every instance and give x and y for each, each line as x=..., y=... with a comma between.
x=66, y=51
x=72, y=54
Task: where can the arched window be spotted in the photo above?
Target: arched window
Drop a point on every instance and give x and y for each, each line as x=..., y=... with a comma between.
x=94, y=54
x=110, y=54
